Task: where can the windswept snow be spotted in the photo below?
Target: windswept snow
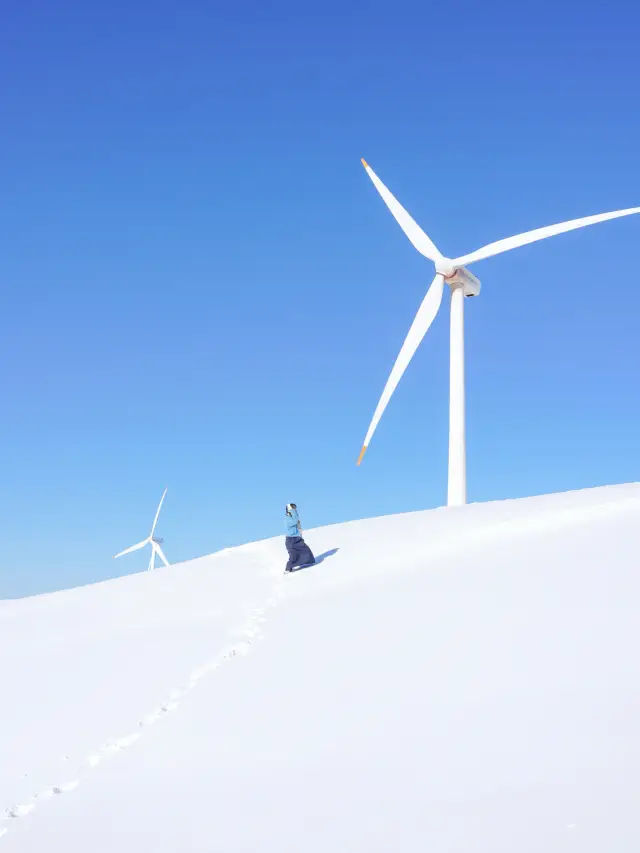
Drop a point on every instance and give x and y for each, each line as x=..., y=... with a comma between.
x=454, y=680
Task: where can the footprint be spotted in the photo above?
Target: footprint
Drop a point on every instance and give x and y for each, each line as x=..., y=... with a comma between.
x=110, y=748
x=165, y=708
x=67, y=787
x=156, y=715
x=59, y=789
x=20, y=811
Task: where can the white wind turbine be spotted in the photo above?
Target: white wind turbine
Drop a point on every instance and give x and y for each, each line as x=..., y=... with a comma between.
x=462, y=283
x=150, y=540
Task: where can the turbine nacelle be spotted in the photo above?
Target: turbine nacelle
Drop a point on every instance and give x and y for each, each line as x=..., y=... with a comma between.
x=456, y=276
x=466, y=280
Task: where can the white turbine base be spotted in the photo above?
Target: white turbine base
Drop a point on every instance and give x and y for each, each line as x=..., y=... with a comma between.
x=457, y=490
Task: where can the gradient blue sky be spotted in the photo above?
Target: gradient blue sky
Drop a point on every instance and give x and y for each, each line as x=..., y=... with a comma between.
x=200, y=288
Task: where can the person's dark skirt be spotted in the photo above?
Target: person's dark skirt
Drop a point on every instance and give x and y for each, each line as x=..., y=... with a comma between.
x=299, y=553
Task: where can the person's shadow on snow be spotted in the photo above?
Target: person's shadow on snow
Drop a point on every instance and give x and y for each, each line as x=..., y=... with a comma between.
x=319, y=559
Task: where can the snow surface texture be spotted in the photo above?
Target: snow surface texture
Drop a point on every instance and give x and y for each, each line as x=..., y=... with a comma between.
x=459, y=680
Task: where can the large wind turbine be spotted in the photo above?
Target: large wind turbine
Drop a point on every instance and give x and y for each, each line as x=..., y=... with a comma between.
x=462, y=283
x=150, y=540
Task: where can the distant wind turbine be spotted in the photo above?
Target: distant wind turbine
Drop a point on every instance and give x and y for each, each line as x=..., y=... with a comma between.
x=462, y=283
x=150, y=540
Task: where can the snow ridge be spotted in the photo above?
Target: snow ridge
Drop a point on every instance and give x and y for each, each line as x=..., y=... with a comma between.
x=470, y=672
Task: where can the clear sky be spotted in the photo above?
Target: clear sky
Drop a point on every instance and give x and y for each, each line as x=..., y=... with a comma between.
x=200, y=287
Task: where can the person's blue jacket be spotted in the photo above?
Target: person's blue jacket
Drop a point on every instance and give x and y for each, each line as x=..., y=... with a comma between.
x=291, y=523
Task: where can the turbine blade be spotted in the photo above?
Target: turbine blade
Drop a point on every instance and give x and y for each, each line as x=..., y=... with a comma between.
x=423, y=319
x=539, y=234
x=155, y=520
x=132, y=548
x=411, y=228
x=160, y=554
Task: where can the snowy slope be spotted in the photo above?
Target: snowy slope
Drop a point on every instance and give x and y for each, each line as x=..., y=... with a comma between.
x=454, y=680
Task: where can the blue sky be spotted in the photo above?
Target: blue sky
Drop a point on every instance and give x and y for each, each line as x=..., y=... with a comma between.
x=200, y=288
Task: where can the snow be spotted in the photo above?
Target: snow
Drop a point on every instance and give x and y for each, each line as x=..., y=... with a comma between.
x=454, y=680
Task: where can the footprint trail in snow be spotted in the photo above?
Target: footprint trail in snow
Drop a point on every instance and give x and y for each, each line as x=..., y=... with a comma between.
x=249, y=635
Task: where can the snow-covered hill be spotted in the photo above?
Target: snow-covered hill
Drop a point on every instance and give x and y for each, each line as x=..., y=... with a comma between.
x=453, y=680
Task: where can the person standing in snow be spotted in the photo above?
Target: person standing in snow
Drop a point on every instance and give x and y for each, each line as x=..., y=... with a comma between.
x=299, y=552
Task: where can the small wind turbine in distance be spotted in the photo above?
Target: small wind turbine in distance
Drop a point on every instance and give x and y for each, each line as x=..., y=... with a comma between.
x=462, y=283
x=150, y=540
